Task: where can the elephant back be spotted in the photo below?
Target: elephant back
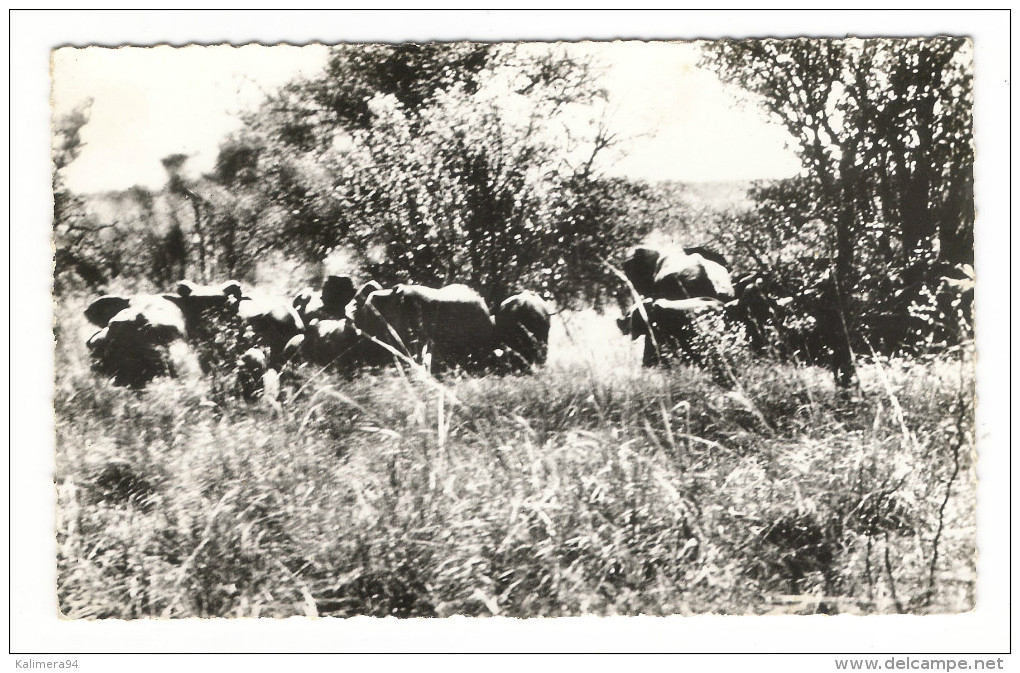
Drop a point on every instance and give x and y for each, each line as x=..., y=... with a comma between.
x=522, y=324
x=682, y=276
x=452, y=316
x=719, y=278
x=453, y=322
x=333, y=343
x=708, y=253
x=270, y=313
x=151, y=319
x=140, y=341
x=270, y=322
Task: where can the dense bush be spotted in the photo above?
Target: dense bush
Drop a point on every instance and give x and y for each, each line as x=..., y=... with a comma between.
x=884, y=128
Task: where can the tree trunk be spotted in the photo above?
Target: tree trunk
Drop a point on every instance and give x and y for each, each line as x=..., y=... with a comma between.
x=838, y=289
x=918, y=224
x=196, y=206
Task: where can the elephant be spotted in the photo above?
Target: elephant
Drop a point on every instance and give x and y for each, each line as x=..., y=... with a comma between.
x=805, y=324
x=261, y=320
x=256, y=379
x=522, y=332
x=444, y=328
x=334, y=341
x=209, y=311
x=675, y=274
x=764, y=311
x=271, y=322
x=687, y=329
x=140, y=337
x=327, y=304
x=336, y=344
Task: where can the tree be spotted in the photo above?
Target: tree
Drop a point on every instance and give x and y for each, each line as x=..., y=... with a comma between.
x=438, y=163
x=884, y=130
x=178, y=185
x=77, y=259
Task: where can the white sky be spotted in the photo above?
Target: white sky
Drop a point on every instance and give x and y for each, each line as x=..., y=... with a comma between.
x=684, y=121
x=678, y=122
x=148, y=103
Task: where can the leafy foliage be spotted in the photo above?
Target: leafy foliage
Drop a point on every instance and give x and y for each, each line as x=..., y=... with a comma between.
x=76, y=260
x=884, y=129
x=440, y=164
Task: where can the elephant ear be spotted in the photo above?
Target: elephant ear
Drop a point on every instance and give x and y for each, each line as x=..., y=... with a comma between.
x=185, y=288
x=640, y=266
x=231, y=288
x=103, y=309
x=337, y=292
x=302, y=298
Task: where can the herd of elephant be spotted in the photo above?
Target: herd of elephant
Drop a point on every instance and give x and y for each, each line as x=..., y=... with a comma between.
x=686, y=301
x=340, y=327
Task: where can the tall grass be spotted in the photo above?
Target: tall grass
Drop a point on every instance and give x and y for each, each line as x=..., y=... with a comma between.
x=593, y=486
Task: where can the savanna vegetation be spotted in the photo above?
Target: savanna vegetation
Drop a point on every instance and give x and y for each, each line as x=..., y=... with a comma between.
x=593, y=485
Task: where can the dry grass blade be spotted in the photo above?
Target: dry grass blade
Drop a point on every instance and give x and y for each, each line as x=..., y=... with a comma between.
x=182, y=572
x=556, y=493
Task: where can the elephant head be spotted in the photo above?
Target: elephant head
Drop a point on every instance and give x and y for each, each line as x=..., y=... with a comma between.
x=260, y=320
x=640, y=267
x=337, y=292
x=328, y=303
x=634, y=323
x=204, y=303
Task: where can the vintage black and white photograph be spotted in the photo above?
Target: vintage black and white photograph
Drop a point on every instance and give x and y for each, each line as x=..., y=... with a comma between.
x=516, y=329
